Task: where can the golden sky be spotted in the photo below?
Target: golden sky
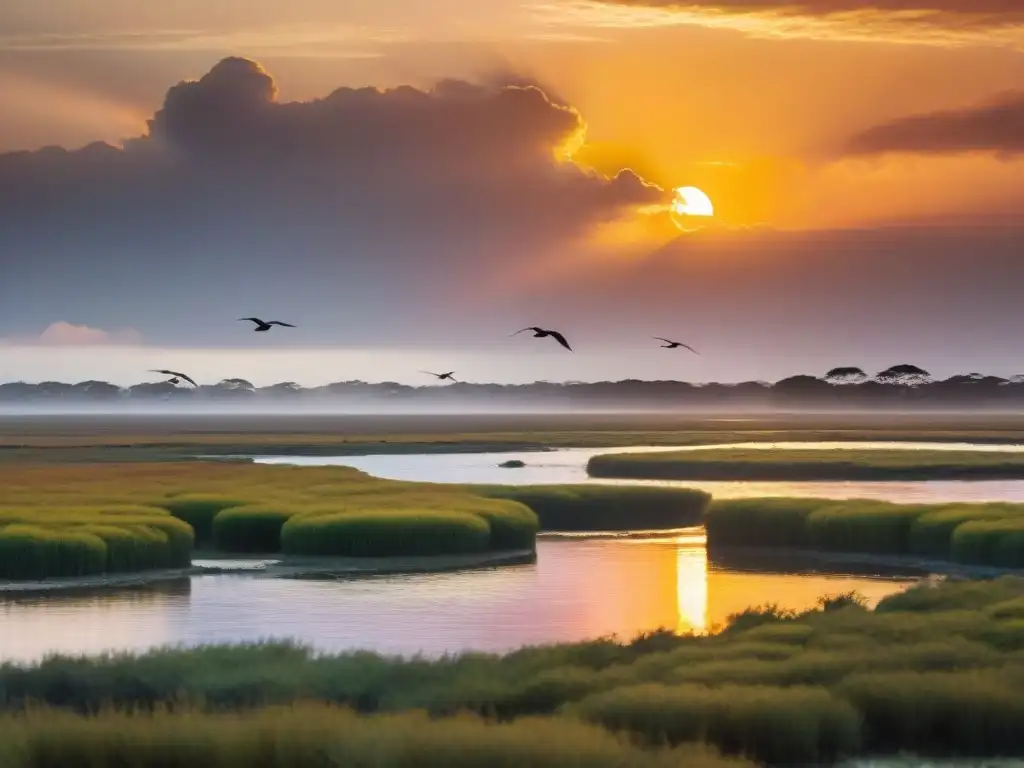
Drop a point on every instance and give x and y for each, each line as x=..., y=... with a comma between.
x=751, y=103
x=808, y=123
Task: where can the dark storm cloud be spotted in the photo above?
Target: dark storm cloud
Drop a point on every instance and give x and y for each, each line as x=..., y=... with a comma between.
x=366, y=199
x=996, y=127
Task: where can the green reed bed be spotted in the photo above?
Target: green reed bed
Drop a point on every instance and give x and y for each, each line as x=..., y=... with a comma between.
x=87, y=520
x=378, y=532
x=935, y=670
x=809, y=464
x=59, y=541
x=972, y=534
x=595, y=508
x=320, y=736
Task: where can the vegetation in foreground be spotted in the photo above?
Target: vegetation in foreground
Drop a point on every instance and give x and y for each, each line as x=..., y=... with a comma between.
x=809, y=464
x=971, y=534
x=81, y=520
x=321, y=736
x=936, y=670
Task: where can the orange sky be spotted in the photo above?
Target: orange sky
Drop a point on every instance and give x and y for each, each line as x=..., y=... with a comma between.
x=754, y=121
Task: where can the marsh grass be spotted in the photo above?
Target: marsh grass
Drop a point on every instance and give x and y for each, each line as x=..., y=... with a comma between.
x=610, y=508
x=386, y=532
x=809, y=464
x=79, y=520
x=974, y=534
x=934, y=670
x=777, y=725
x=320, y=736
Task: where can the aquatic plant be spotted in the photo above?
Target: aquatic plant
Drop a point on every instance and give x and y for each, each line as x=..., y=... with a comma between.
x=975, y=534
x=385, y=533
x=611, y=508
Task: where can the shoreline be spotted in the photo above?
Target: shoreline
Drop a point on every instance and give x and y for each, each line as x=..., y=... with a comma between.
x=276, y=566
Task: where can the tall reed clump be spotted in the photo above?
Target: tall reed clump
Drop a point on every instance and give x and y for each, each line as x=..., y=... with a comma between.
x=386, y=533
x=931, y=534
x=976, y=534
x=780, y=522
x=199, y=511
x=35, y=552
x=253, y=528
x=607, y=508
x=863, y=526
x=323, y=736
x=774, y=725
x=76, y=541
x=990, y=542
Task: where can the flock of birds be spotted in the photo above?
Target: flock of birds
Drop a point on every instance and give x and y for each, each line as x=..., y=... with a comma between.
x=538, y=333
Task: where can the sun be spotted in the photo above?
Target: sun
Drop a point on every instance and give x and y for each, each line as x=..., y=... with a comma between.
x=691, y=201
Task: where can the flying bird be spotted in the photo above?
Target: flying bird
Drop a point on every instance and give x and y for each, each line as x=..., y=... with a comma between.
x=669, y=344
x=450, y=375
x=540, y=333
x=176, y=376
x=262, y=326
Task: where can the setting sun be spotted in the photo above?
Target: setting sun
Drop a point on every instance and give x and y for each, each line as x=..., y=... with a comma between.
x=691, y=201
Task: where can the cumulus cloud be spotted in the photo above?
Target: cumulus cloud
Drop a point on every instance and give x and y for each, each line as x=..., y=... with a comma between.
x=361, y=200
x=937, y=22
x=996, y=127
x=65, y=334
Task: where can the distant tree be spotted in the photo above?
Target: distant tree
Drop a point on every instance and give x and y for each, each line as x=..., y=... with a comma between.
x=905, y=375
x=97, y=390
x=284, y=389
x=850, y=375
x=53, y=389
x=157, y=389
x=802, y=386
x=17, y=391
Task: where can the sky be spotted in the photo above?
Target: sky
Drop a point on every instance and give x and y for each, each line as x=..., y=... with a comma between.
x=408, y=183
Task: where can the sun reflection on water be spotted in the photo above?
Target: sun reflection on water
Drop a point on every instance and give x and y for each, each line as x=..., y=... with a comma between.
x=692, y=583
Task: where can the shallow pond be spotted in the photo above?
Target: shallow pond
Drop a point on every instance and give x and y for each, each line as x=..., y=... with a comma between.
x=579, y=588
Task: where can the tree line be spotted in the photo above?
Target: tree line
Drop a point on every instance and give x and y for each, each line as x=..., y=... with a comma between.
x=900, y=385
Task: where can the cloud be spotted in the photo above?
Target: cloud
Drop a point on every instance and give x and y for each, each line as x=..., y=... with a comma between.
x=335, y=211
x=995, y=127
x=935, y=22
x=64, y=334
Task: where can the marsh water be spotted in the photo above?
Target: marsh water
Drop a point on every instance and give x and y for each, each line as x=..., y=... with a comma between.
x=580, y=587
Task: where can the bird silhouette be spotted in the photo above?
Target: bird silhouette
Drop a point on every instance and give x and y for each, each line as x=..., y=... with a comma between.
x=450, y=375
x=262, y=326
x=176, y=376
x=669, y=344
x=540, y=333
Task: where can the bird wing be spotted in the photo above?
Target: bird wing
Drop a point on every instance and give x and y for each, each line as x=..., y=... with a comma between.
x=188, y=379
x=690, y=348
x=524, y=329
x=278, y=322
x=560, y=339
x=662, y=338
x=253, y=319
x=430, y=373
